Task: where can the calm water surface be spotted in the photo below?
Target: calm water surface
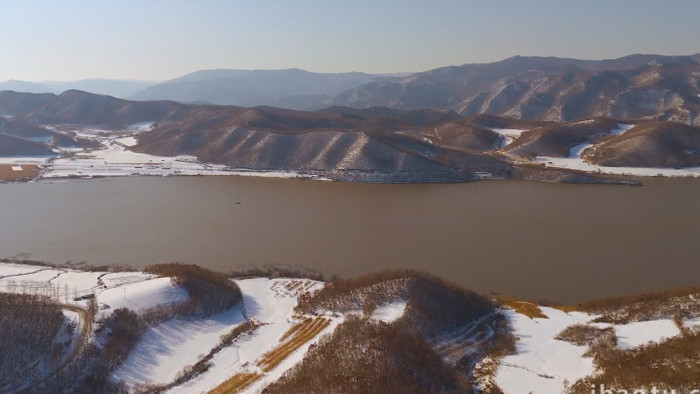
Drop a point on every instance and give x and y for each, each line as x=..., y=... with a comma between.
x=541, y=241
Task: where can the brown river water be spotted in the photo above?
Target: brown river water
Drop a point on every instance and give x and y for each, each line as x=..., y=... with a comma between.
x=564, y=243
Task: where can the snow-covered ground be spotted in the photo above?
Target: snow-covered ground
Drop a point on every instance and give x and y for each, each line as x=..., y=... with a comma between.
x=509, y=135
x=113, y=290
x=389, y=313
x=140, y=296
x=575, y=162
x=544, y=364
x=632, y=335
x=21, y=160
x=692, y=324
x=9, y=270
x=270, y=303
x=166, y=349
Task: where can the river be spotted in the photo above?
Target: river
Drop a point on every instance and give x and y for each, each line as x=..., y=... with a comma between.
x=564, y=243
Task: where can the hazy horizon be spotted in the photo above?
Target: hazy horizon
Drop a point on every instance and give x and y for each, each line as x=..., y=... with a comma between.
x=160, y=40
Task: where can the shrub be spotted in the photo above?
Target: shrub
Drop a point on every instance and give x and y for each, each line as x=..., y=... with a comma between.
x=362, y=357
x=210, y=292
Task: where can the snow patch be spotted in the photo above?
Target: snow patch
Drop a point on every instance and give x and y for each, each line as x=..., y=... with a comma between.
x=509, y=135
x=140, y=296
x=127, y=141
x=692, y=324
x=142, y=126
x=543, y=364
x=621, y=128
x=632, y=335
x=514, y=133
x=389, y=313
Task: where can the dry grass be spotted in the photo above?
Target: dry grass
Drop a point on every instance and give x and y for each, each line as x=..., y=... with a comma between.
x=295, y=328
x=308, y=330
x=526, y=308
x=236, y=383
x=7, y=173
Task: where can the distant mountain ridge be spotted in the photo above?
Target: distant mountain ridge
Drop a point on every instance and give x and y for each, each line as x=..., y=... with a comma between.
x=290, y=88
x=639, y=86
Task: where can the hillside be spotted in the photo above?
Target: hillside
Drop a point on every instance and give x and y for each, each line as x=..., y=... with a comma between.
x=97, y=135
x=650, y=144
x=553, y=89
x=24, y=139
x=193, y=330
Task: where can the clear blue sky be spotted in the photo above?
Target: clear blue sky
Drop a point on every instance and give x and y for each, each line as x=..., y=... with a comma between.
x=163, y=39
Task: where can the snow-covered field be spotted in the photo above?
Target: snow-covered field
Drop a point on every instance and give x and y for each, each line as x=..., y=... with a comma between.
x=133, y=290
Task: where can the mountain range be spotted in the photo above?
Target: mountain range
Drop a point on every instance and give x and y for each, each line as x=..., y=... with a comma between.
x=653, y=87
x=112, y=87
x=375, y=144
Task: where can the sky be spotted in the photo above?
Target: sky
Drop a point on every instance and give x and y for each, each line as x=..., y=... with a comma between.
x=64, y=40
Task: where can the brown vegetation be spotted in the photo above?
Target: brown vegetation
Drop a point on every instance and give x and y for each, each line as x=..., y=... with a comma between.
x=557, y=139
x=276, y=271
x=363, y=357
x=28, y=326
x=526, y=308
x=210, y=292
x=646, y=306
x=587, y=335
x=458, y=326
x=671, y=364
x=651, y=144
x=236, y=383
